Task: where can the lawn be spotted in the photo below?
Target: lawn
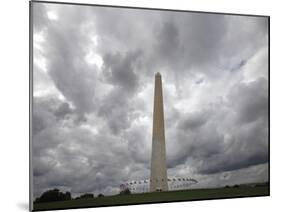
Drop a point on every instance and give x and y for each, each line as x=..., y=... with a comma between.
x=157, y=197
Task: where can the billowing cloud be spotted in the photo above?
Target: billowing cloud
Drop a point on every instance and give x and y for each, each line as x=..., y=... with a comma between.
x=93, y=96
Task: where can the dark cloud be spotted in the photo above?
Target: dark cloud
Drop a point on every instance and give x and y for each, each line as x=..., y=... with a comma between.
x=137, y=145
x=193, y=121
x=253, y=104
x=121, y=70
x=197, y=142
x=113, y=110
x=93, y=96
x=241, y=146
x=65, y=51
x=63, y=110
x=37, y=124
x=238, y=66
x=40, y=17
x=168, y=43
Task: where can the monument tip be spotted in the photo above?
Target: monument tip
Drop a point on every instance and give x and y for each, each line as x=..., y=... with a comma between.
x=158, y=74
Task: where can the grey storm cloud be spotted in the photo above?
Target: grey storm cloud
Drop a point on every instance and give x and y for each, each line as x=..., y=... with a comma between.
x=65, y=52
x=193, y=121
x=242, y=145
x=93, y=96
x=120, y=70
x=253, y=104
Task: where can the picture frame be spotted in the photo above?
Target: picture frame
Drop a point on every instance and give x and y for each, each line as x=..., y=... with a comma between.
x=63, y=69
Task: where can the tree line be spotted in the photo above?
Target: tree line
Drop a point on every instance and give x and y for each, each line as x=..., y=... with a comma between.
x=57, y=195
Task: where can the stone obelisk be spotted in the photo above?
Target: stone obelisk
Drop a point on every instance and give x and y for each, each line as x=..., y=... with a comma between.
x=158, y=173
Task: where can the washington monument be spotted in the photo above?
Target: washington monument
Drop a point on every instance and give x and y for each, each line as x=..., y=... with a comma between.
x=158, y=172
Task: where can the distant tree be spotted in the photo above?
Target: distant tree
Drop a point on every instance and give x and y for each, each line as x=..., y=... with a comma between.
x=86, y=196
x=36, y=200
x=68, y=195
x=261, y=184
x=126, y=191
x=100, y=195
x=53, y=195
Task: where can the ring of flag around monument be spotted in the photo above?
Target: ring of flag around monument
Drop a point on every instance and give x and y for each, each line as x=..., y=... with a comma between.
x=138, y=186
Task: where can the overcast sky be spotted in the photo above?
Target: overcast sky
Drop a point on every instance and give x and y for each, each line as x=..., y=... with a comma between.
x=93, y=91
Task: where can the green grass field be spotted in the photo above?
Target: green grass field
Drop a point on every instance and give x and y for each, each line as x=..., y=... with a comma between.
x=169, y=196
